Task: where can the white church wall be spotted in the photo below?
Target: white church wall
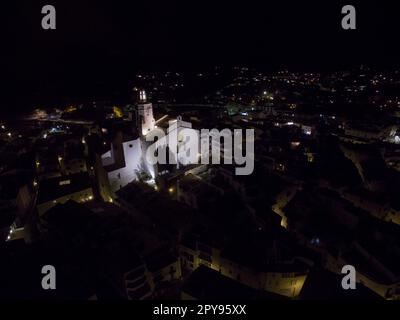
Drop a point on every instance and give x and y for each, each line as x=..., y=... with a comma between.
x=146, y=117
x=133, y=159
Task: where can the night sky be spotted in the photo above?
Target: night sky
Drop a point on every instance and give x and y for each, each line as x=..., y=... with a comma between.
x=98, y=45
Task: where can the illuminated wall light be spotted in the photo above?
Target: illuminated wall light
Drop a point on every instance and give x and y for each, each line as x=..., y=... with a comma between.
x=142, y=95
x=9, y=134
x=171, y=190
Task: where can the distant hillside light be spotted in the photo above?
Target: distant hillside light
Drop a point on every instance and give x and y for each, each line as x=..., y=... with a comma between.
x=117, y=112
x=64, y=183
x=70, y=109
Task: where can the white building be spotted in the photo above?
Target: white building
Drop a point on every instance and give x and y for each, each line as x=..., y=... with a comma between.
x=122, y=162
x=127, y=157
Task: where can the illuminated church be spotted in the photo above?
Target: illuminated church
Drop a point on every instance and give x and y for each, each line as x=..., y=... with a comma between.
x=125, y=161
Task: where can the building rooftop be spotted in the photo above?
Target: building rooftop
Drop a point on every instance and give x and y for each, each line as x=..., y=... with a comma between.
x=207, y=284
x=11, y=181
x=324, y=285
x=264, y=251
x=54, y=188
x=70, y=217
x=160, y=209
x=159, y=260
